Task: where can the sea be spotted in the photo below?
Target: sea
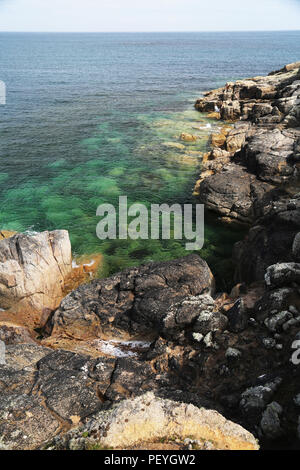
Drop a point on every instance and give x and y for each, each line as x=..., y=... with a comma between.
x=91, y=117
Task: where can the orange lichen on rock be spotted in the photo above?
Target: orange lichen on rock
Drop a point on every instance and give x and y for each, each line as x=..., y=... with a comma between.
x=214, y=115
x=219, y=140
x=6, y=234
x=84, y=268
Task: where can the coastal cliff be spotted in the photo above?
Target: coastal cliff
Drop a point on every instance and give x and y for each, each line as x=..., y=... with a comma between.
x=159, y=336
x=252, y=175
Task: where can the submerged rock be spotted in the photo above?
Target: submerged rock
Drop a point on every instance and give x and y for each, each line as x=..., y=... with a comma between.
x=237, y=316
x=188, y=137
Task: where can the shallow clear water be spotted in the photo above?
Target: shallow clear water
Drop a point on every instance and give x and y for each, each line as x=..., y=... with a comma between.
x=88, y=117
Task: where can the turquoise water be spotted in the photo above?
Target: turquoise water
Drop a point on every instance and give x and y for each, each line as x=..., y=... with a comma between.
x=90, y=117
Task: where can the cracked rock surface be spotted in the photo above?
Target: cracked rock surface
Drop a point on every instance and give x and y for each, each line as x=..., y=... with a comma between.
x=32, y=273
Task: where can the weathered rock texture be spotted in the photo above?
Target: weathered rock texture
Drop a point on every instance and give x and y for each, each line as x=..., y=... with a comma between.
x=253, y=176
x=148, y=419
x=227, y=353
x=271, y=99
x=33, y=269
x=136, y=300
x=261, y=151
x=6, y=234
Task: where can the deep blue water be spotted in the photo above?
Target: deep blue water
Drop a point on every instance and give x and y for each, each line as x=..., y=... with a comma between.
x=88, y=117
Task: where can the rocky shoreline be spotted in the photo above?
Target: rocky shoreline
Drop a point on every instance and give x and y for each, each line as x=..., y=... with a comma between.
x=181, y=346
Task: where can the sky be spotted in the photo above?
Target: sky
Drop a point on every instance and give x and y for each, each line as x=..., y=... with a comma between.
x=148, y=15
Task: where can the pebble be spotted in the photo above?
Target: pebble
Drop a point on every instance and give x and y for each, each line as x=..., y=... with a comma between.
x=233, y=353
x=269, y=343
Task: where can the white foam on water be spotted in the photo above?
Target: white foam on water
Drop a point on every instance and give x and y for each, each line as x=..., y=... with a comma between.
x=74, y=264
x=90, y=264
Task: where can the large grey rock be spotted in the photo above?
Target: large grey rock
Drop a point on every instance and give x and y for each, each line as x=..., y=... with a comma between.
x=43, y=392
x=64, y=381
x=24, y=422
x=136, y=300
x=32, y=272
x=270, y=422
x=232, y=192
x=271, y=238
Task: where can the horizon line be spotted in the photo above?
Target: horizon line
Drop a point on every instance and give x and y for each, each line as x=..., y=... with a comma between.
x=159, y=32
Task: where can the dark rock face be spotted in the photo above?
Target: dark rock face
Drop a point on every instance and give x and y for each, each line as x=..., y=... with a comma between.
x=270, y=423
x=254, y=400
x=262, y=147
x=271, y=239
x=269, y=155
x=232, y=193
x=23, y=418
x=253, y=178
x=33, y=269
x=258, y=183
x=45, y=392
x=28, y=425
x=63, y=379
x=270, y=99
x=282, y=274
x=237, y=317
x=135, y=300
x=207, y=353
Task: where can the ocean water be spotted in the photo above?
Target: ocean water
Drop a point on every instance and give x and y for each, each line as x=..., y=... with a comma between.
x=91, y=117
